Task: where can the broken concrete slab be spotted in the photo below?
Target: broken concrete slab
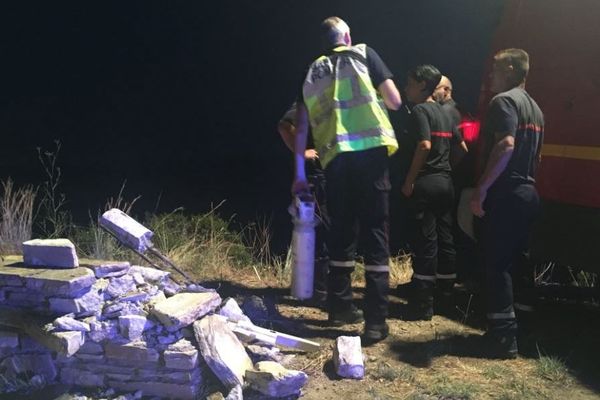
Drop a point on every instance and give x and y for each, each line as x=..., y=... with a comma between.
x=128, y=231
x=121, y=285
x=348, y=358
x=70, y=341
x=274, y=380
x=103, y=330
x=137, y=353
x=183, y=309
x=222, y=350
x=149, y=274
x=73, y=376
x=181, y=355
x=65, y=343
x=70, y=324
x=50, y=282
x=132, y=326
x=261, y=353
x=38, y=364
x=89, y=303
x=111, y=269
x=160, y=389
x=50, y=253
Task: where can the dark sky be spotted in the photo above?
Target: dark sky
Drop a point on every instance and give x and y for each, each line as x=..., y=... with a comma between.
x=182, y=97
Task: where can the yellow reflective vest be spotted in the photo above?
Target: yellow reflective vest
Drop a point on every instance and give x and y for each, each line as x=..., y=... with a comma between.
x=345, y=111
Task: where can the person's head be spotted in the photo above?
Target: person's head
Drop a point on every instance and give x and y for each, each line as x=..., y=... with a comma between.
x=509, y=70
x=335, y=31
x=421, y=83
x=443, y=91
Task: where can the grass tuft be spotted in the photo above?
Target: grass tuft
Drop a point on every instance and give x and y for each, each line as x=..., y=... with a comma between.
x=552, y=369
x=443, y=387
x=16, y=216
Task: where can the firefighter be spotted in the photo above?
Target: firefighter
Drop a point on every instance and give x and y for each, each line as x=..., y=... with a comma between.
x=428, y=186
x=344, y=96
x=316, y=179
x=443, y=95
x=505, y=197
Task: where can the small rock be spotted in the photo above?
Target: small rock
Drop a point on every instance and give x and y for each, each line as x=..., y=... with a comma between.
x=272, y=379
x=120, y=285
x=232, y=311
x=348, y=358
x=132, y=326
x=70, y=324
x=260, y=353
x=111, y=269
x=151, y=275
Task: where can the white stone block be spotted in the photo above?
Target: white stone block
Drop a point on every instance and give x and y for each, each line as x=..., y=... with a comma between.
x=132, y=326
x=274, y=380
x=232, y=311
x=50, y=253
x=348, y=358
x=70, y=324
x=111, y=269
x=127, y=230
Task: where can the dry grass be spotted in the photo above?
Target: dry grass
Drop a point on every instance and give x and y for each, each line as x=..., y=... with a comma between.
x=16, y=216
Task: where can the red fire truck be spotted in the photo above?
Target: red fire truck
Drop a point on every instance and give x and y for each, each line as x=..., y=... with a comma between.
x=561, y=38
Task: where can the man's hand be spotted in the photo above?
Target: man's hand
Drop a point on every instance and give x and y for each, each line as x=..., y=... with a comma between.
x=311, y=154
x=408, y=188
x=477, y=202
x=300, y=186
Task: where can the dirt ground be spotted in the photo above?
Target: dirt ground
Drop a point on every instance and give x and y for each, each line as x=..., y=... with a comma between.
x=440, y=359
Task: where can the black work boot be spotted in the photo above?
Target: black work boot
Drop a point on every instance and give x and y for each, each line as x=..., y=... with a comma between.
x=375, y=333
x=445, y=302
x=500, y=345
x=351, y=315
x=405, y=290
x=420, y=306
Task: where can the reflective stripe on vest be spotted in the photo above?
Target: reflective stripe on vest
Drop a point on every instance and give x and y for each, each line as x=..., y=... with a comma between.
x=344, y=109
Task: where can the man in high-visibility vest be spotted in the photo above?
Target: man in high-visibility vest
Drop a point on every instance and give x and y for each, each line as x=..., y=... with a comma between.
x=344, y=97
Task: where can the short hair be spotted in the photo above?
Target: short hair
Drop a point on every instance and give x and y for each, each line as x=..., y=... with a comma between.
x=333, y=29
x=518, y=58
x=428, y=74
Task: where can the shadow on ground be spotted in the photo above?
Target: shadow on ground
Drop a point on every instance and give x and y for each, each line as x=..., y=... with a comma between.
x=568, y=332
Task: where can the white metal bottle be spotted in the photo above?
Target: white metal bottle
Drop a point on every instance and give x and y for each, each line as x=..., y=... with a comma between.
x=303, y=247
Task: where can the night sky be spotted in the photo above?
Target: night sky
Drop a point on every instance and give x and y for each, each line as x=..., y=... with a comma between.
x=181, y=99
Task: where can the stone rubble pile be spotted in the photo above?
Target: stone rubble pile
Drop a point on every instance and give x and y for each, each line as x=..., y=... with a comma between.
x=126, y=328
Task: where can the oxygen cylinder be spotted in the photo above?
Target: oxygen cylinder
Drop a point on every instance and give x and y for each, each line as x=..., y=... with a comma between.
x=303, y=246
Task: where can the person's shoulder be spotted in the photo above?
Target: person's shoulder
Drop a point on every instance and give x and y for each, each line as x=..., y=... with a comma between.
x=509, y=97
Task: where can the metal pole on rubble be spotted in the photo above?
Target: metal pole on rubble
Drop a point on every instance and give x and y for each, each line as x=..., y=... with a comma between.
x=135, y=237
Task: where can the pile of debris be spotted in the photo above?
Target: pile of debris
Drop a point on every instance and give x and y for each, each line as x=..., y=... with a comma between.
x=131, y=328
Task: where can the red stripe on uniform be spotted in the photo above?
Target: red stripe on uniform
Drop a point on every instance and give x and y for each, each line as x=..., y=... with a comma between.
x=531, y=127
x=442, y=134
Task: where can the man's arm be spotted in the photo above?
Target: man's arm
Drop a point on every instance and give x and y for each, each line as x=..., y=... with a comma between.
x=300, y=184
x=419, y=158
x=288, y=133
x=287, y=130
x=390, y=94
x=499, y=158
